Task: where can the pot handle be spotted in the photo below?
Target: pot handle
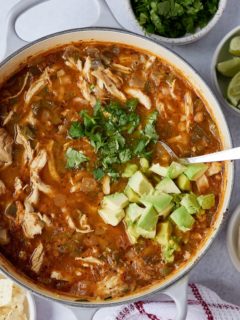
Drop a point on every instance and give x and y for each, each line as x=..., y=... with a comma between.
x=11, y=41
x=178, y=292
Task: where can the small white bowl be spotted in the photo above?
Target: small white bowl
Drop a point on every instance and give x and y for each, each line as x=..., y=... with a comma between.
x=232, y=238
x=123, y=12
x=222, y=53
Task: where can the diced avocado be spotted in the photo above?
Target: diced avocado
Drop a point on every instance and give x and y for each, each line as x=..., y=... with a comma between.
x=144, y=164
x=168, y=251
x=161, y=171
x=195, y=171
x=115, y=201
x=129, y=170
x=190, y=202
x=133, y=212
x=182, y=218
x=175, y=170
x=132, y=195
x=131, y=233
x=206, y=201
x=164, y=233
x=111, y=216
x=140, y=184
x=146, y=225
x=160, y=201
x=183, y=182
x=167, y=185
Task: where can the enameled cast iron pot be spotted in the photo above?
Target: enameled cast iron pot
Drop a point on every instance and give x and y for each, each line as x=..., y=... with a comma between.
x=176, y=284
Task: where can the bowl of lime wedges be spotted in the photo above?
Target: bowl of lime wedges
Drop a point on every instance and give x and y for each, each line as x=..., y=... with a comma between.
x=226, y=69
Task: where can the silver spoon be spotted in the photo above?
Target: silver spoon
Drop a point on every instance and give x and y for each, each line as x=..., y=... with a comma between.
x=230, y=154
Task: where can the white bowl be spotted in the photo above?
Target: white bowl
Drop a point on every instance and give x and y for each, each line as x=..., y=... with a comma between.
x=123, y=12
x=232, y=238
x=222, y=53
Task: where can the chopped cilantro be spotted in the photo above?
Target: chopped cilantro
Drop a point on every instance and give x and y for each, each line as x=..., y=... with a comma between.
x=76, y=130
x=174, y=18
x=75, y=158
x=98, y=173
x=114, y=133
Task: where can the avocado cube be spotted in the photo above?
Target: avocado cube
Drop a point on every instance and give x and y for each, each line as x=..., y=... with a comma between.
x=132, y=195
x=111, y=216
x=167, y=185
x=129, y=170
x=190, y=202
x=140, y=184
x=168, y=251
x=115, y=201
x=182, y=218
x=133, y=212
x=195, y=171
x=131, y=233
x=175, y=170
x=183, y=182
x=164, y=233
x=146, y=225
x=160, y=201
x=160, y=170
x=206, y=201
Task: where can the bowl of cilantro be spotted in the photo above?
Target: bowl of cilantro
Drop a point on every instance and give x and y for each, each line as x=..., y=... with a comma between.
x=171, y=21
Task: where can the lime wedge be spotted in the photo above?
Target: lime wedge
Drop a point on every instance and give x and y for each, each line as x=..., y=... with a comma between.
x=229, y=67
x=234, y=47
x=233, y=91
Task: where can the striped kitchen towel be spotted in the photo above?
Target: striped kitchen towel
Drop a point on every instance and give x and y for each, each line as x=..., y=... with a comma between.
x=203, y=304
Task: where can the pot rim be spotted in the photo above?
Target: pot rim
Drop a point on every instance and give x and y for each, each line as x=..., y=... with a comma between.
x=183, y=270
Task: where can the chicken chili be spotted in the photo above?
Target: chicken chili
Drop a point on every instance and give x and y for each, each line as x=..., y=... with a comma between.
x=91, y=204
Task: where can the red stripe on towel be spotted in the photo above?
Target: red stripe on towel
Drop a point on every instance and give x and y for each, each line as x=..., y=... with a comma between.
x=139, y=306
x=203, y=303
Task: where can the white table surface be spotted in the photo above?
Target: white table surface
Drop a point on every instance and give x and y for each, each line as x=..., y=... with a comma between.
x=215, y=270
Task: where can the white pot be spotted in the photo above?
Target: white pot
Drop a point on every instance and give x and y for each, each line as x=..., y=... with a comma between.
x=176, y=284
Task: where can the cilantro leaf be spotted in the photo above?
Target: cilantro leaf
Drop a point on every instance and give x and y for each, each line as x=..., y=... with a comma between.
x=76, y=130
x=98, y=173
x=75, y=158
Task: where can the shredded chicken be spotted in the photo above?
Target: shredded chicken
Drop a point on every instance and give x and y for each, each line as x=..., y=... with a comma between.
x=6, y=143
x=150, y=62
x=22, y=88
x=90, y=260
x=85, y=227
x=2, y=187
x=188, y=104
x=37, y=164
x=20, y=139
x=108, y=80
x=143, y=98
x=121, y=68
x=8, y=118
x=51, y=162
x=111, y=285
x=38, y=85
x=84, y=86
x=86, y=71
x=18, y=186
x=57, y=275
x=45, y=219
x=32, y=224
x=37, y=258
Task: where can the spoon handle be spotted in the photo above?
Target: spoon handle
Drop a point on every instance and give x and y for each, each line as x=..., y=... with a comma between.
x=230, y=154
